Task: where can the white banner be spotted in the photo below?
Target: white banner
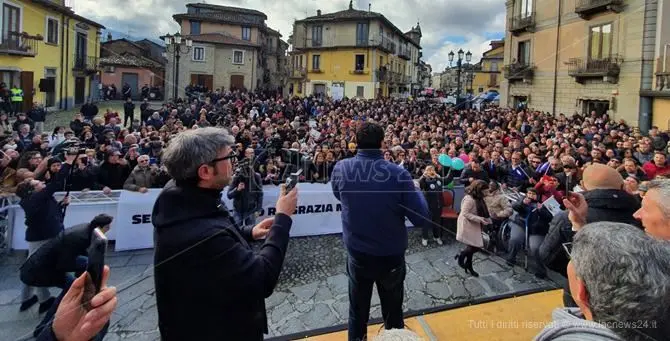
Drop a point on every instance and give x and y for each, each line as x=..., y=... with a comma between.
x=318, y=213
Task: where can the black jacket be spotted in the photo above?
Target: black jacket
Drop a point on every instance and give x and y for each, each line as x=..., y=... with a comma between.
x=37, y=115
x=128, y=109
x=210, y=284
x=537, y=220
x=432, y=190
x=48, y=265
x=250, y=199
x=113, y=175
x=604, y=205
x=89, y=110
x=44, y=217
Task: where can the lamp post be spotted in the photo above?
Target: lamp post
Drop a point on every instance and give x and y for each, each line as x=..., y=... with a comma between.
x=178, y=46
x=459, y=66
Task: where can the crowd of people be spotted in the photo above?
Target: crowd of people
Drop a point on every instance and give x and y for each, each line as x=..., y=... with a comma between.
x=618, y=170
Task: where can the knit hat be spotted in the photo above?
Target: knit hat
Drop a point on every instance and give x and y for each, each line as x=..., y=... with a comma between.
x=101, y=220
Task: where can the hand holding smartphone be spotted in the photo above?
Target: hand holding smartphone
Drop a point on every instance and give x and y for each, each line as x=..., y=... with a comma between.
x=292, y=180
x=95, y=268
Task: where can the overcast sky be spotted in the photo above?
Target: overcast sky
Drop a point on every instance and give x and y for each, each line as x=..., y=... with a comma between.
x=446, y=24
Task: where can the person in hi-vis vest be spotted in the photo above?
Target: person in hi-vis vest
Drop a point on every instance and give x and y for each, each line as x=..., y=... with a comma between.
x=16, y=99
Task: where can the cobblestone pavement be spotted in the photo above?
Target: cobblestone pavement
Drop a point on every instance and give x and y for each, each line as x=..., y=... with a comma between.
x=312, y=292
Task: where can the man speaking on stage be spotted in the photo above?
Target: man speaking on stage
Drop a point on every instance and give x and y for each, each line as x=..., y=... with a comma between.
x=210, y=284
x=376, y=197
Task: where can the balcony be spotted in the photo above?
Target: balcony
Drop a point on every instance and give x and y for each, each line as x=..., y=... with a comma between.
x=19, y=44
x=273, y=50
x=359, y=71
x=381, y=75
x=404, y=54
x=522, y=23
x=585, y=68
x=587, y=8
x=297, y=73
x=519, y=72
x=317, y=70
x=87, y=64
x=386, y=45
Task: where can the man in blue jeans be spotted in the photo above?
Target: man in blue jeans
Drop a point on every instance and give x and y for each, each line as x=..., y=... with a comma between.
x=376, y=197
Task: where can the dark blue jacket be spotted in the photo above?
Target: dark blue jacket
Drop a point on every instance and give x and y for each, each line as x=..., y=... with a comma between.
x=44, y=217
x=376, y=197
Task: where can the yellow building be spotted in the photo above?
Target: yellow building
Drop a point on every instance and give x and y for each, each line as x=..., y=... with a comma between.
x=488, y=71
x=353, y=53
x=49, y=51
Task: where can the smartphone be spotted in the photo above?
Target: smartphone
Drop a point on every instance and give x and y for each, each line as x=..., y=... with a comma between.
x=568, y=249
x=96, y=264
x=292, y=180
x=152, y=161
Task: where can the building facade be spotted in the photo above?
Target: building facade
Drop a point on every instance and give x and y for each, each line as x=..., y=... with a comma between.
x=579, y=56
x=50, y=52
x=449, y=79
x=133, y=63
x=488, y=72
x=353, y=53
x=425, y=77
x=230, y=50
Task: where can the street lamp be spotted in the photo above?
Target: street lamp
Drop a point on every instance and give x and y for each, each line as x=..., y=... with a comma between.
x=178, y=46
x=459, y=65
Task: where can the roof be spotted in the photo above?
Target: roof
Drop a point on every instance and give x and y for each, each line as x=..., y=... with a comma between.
x=273, y=32
x=354, y=14
x=67, y=11
x=220, y=38
x=215, y=17
x=228, y=9
x=128, y=59
x=122, y=39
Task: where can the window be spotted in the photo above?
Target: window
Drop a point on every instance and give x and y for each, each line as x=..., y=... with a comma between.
x=11, y=22
x=526, y=8
x=316, y=62
x=195, y=27
x=523, y=53
x=246, y=33
x=600, y=42
x=238, y=57
x=199, y=54
x=360, y=91
x=360, y=62
x=50, y=74
x=52, y=31
x=80, y=50
x=317, y=35
x=362, y=34
x=494, y=66
x=481, y=90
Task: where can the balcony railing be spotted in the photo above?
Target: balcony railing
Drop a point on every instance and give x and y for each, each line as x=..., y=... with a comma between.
x=404, y=54
x=584, y=68
x=519, y=72
x=14, y=43
x=663, y=72
x=381, y=75
x=297, y=73
x=586, y=8
x=386, y=45
x=85, y=63
x=522, y=23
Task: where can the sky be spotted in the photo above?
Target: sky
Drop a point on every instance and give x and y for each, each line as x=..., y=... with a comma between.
x=446, y=24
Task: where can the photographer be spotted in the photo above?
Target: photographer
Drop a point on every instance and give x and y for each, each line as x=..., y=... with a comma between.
x=114, y=171
x=53, y=264
x=84, y=176
x=44, y=220
x=246, y=191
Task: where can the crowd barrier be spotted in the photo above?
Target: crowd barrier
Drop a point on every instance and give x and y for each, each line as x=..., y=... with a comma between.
x=318, y=213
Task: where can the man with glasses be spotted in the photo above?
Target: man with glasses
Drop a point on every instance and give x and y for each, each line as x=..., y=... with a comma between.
x=620, y=279
x=210, y=284
x=142, y=177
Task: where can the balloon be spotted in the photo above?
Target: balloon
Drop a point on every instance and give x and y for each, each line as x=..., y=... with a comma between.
x=465, y=158
x=444, y=160
x=457, y=164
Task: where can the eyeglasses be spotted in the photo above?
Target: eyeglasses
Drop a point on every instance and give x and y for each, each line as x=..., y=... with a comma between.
x=232, y=156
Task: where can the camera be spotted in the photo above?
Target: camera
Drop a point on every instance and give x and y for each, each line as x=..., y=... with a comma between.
x=73, y=147
x=243, y=168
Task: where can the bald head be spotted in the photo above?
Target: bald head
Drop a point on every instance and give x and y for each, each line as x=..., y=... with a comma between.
x=599, y=176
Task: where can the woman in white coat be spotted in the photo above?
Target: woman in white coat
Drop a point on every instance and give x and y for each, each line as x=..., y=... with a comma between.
x=473, y=215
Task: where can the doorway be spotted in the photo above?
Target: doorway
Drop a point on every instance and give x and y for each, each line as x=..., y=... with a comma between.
x=236, y=82
x=50, y=96
x=319, y=90
x=600, y=107
x=79, y=90
x=132, y=79
x=27, y=85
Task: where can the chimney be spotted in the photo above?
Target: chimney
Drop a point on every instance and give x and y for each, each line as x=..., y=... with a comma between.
x=318, y=12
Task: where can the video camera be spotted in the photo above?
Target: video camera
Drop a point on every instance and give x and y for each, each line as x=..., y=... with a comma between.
x=72, y=147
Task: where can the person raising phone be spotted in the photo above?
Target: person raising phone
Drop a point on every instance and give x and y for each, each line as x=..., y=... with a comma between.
x=210, y=284
x=51, y=265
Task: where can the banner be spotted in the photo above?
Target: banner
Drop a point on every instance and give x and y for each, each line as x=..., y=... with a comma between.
x=317, y=213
